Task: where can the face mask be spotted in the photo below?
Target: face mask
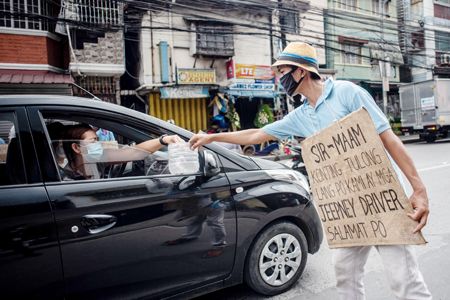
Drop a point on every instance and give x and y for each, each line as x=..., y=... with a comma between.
x=64, y=163
x=289, y=84
x=60, y=151
x=95, y=150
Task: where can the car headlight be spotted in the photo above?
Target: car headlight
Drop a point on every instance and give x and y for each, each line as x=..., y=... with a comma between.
x=290, y=176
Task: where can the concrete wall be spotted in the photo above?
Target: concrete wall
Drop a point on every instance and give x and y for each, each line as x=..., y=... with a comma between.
x=251, y=45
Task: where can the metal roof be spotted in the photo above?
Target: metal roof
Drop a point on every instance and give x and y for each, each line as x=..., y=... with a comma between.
x=34, y=77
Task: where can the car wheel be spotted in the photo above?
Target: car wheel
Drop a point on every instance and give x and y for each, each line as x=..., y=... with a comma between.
x=277, y=259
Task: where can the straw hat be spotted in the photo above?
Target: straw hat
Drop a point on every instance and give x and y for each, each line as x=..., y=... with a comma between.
x=299, y=54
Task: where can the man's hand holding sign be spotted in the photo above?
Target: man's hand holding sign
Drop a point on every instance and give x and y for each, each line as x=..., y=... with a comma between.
x=356, y=190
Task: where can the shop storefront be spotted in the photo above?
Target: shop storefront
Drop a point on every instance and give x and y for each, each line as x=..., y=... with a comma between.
x=252, y=89
x=185, y=104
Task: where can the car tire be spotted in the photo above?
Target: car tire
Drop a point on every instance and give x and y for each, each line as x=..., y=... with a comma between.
x=271, y=269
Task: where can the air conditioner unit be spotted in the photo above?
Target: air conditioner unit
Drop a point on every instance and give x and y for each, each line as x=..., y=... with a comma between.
x=445, y=59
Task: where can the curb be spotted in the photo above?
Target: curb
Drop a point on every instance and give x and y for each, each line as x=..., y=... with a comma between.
x=409, y=139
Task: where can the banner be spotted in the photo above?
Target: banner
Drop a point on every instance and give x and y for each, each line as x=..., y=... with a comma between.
x=244, y=71
x=357, y=193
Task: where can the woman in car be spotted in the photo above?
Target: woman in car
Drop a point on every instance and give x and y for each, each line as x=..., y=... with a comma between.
x=84, y=151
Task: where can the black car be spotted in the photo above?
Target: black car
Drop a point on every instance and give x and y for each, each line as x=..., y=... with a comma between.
x=133, y=229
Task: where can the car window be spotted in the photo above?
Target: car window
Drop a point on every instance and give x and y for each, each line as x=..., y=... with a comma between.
x=11, y=160
x=84, y=151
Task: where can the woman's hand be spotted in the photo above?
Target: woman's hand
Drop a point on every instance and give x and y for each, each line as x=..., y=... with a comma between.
x=171, y=139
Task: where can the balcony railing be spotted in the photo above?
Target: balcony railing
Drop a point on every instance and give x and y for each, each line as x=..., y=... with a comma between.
x=107, y=13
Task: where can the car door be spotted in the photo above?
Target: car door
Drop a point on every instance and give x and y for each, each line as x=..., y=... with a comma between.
x=30, y=264
x=140, y=234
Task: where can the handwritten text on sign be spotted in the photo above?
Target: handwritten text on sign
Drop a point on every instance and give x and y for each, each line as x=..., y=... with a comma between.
x=356, y=190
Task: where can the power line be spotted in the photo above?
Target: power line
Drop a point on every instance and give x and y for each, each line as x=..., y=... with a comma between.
x=139, y=27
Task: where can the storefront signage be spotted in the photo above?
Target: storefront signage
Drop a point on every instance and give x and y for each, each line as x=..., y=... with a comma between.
x=252, y=86
x=196, y=76
x=184, y=92
x=243, y=71
x=357, y=193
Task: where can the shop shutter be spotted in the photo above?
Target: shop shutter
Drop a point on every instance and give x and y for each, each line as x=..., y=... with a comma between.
x=190, y=114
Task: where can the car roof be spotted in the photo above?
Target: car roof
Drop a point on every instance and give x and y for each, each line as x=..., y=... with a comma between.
x=59, y=100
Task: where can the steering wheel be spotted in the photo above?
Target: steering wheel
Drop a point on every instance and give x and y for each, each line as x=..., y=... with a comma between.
x=117, y=170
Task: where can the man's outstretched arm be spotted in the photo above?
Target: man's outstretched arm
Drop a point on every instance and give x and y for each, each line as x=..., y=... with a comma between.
x=243, y=137
x=419, y=198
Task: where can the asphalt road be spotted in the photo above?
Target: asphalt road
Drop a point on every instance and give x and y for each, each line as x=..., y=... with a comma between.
x=317, y=281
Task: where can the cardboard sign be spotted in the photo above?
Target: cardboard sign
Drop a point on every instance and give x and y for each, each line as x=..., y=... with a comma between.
x=357, y=193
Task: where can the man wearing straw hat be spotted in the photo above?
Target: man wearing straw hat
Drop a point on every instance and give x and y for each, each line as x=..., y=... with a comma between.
x=325, y=102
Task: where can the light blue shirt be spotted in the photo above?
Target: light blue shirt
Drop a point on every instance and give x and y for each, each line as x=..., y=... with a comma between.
x=342, y=98
x=105, y=135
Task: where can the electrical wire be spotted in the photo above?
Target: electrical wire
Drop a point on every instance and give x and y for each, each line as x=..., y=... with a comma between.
x=276, y=32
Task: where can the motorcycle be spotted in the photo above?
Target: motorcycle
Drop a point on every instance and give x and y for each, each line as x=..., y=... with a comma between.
x=297, y=159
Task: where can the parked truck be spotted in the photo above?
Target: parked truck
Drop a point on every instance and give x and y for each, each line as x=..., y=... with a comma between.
x=425, y=108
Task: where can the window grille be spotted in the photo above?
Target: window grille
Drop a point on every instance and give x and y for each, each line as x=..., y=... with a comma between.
x=442, y=39
x=351, y=54
x=289, y=21
x=94, y=12
x=26, y=14
x=215, y=40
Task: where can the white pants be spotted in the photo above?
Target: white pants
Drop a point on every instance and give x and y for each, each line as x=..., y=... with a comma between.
x=400, y=265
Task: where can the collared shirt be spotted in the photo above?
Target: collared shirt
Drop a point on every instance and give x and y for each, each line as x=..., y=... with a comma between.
x=338, y=99
x=105, y=135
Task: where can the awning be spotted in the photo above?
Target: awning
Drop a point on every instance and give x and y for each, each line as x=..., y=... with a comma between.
x=33, y=77
x=34, y=82
x=380, y=50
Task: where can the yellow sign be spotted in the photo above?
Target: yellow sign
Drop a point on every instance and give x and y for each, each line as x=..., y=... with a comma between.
x=196, y=76
x=355, y=188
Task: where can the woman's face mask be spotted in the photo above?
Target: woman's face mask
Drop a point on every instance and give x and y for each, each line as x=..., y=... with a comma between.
x=289, y=84
x=94, y=150
x=60, y=151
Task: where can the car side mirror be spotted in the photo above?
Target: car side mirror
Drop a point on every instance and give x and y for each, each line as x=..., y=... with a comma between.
x=210, y=163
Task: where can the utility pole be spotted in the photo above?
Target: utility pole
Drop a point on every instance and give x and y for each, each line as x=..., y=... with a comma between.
x=384, y=64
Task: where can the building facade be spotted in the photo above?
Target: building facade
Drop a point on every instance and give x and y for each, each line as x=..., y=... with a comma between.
x=426, y=39
x=194, y=60
x=94, y=29
x=33, y=58
x=362, y=45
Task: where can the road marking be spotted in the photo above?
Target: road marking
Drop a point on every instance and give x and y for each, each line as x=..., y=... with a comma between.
x=443, y=165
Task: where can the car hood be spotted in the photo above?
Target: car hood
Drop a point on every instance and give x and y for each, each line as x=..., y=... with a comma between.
x=266, y=164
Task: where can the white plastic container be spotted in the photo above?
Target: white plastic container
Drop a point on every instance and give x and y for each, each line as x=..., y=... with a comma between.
x=183, y=160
